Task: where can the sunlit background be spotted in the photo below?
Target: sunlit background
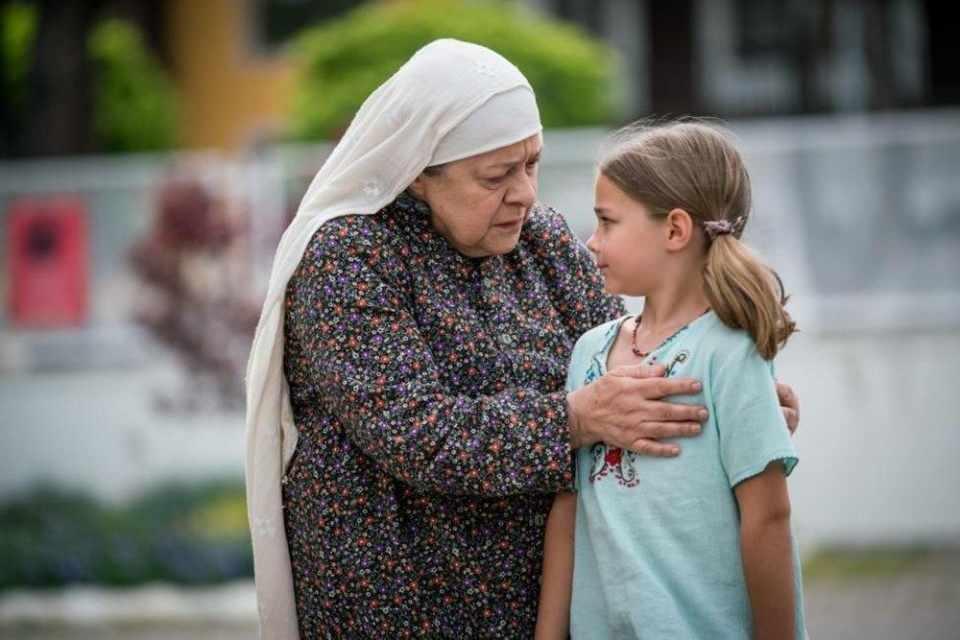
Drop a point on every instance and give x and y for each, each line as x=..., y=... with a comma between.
x=153, y=152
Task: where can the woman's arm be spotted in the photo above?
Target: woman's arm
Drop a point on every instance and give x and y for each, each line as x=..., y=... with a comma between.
x=351, y=326
x=766, y=548
x=553, y=615
x=353, y=329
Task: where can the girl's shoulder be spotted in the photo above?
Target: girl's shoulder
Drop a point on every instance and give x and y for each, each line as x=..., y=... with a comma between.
x=603, y=332
x=722, y=347
x=597, y=338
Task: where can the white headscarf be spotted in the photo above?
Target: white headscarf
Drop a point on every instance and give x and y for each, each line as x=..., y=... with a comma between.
x=451, y=100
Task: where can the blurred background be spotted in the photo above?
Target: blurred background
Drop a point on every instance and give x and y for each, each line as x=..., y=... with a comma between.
x=152, y=152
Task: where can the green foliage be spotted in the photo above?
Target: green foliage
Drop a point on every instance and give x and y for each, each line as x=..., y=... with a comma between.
x=851, y=564
x=195, y=534
x=18, y=27
x=342, y=61
x=135, y=104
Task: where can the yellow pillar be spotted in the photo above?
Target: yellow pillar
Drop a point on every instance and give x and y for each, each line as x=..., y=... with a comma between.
x=230, y=93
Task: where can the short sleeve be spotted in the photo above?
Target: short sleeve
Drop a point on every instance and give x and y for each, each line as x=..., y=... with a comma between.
x=753, y=431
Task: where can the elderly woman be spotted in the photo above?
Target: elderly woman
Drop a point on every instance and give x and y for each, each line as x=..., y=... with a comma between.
x=407, y=424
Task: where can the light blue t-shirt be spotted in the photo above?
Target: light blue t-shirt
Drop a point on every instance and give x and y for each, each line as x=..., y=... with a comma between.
x=657, y=539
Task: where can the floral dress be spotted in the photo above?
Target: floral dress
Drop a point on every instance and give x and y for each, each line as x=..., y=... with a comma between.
x=427, y=389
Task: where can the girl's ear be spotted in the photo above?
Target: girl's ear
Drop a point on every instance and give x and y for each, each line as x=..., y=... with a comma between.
x=679, y=229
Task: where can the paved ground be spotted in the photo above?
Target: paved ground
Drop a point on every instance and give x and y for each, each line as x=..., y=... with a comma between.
x=919, y=600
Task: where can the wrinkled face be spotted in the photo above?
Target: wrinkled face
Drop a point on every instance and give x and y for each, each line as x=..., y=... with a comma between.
x=480, y=203
x=629, y=244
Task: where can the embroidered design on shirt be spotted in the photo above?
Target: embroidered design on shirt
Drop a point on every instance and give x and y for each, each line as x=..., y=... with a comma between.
x=613, y=460
x=607, y=460
x=681, y=357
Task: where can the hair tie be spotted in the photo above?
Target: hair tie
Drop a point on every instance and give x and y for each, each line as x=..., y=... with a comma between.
x=716, y=228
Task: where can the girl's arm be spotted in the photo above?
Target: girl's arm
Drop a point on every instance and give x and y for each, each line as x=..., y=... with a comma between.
x=553, y=616
x=766, y=548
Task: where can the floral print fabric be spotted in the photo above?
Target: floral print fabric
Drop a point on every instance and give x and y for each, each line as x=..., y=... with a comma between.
x=427, y=389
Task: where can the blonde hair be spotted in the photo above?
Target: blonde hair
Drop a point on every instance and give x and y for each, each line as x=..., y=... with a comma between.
x=691, y=166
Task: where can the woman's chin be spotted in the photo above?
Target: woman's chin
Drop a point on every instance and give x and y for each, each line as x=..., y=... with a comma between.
x=504, y=244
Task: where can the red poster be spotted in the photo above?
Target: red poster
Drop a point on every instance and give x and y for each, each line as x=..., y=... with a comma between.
x=47, y=262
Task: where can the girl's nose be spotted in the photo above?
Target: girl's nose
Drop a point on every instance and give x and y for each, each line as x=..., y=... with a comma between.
x=592, y=243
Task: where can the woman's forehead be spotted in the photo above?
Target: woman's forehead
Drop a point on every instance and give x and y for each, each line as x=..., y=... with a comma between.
x=510, y=154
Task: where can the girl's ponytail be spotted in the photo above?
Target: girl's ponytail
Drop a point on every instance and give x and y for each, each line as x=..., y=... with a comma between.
x=746, y=294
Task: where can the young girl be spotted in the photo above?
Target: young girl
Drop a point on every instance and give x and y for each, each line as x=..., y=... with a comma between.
x=697, y=546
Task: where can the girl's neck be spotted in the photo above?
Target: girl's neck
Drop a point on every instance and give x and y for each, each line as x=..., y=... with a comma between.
x=674, y=305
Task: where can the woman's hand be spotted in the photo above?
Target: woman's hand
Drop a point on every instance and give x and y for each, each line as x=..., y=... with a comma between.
x=624, y=408
x=790, y=404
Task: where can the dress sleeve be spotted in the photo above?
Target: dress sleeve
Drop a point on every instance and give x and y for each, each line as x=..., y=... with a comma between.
x=577, y=284
x=753, y=431
x=374, y=370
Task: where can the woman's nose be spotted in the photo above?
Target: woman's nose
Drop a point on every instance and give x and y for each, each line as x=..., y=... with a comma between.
x=523, y=190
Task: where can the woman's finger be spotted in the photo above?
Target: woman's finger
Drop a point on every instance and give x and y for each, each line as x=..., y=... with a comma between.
x=653, y=448
x=790, y=403
x=793, y=419
x=655, y=388
x=660, y=430
x=639, y=371
x=660, y=411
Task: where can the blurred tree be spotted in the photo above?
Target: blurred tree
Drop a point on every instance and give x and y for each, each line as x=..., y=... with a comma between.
x=75, y=83
x=345, y=59
x=135, y=102
x=59, y=81
x=18, y=26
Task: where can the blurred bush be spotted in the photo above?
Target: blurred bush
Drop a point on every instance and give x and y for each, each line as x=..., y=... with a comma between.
x=134, y=101
x=343, y=60
x=135, y=105
x=18, y=27
x=182, y=534
x=867, y=562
